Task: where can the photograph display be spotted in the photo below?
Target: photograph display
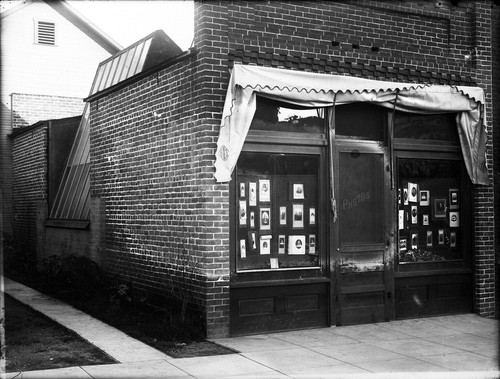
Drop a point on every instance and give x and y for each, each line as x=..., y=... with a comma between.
x=429, y=215
x=278, y=229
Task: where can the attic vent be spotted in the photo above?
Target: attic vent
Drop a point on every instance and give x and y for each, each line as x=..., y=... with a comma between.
x=45, y=33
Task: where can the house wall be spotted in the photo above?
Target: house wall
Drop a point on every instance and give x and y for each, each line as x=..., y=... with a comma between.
x=153, y=142
x=66, y=69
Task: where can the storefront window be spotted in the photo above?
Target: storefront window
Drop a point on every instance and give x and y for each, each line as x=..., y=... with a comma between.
x=277, y=116
x=277, y=211
x=360, y=121
x=441, y=127
x=429, y=210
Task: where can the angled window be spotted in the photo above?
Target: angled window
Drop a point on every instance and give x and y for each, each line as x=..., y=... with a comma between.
x=45, y=33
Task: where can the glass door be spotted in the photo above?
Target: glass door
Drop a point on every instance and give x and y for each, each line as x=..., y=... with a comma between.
x=362, y=244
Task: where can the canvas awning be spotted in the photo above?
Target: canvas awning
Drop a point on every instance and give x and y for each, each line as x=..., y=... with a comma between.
x=324, y=90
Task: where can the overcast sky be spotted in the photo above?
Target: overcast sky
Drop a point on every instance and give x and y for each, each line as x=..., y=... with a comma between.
x=128, y=21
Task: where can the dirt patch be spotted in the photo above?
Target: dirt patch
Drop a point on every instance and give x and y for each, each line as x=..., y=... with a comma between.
x=161, y=328
x=35, y=342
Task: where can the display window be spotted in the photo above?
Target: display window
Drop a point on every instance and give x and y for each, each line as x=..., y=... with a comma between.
x=272, y=115
x=277, y=211
x=442, y=127
x=433, y=191
x=429, y=210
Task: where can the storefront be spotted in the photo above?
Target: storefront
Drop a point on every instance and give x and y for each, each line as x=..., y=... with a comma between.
x=350, y=198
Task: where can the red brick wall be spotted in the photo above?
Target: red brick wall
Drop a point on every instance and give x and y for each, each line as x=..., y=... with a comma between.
x=153, y=142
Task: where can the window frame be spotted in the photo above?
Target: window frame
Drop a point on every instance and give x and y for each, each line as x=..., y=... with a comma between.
x=405, y=148
x=280, y=142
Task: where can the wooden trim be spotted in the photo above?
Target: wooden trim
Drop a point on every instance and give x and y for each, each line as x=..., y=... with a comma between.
x=284, y=138
x=410, y=274
x=425, y=145
x=362, y=289
x=282, y=282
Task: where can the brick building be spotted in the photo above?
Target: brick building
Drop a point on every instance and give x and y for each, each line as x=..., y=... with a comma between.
x=354, y=168
x=39, y=154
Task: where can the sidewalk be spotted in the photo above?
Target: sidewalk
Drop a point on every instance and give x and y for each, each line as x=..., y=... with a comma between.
x=462, y=346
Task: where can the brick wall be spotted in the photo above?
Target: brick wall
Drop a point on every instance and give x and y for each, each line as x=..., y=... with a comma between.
x=29, y=168
x=28, y=109
x=24, y=110
x=484, y=235
x=496, y=140
x=153, y=142
x=151, y=162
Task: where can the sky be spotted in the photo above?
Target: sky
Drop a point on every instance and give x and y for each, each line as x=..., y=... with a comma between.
x=127, y=21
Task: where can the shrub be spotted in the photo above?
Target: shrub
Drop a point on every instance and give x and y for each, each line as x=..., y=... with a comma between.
x=69, y=275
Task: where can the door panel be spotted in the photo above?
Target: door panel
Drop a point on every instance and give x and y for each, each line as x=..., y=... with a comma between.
x=361, y=234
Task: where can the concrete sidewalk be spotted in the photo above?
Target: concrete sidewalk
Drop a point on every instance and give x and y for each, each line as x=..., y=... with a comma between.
x=462, y=346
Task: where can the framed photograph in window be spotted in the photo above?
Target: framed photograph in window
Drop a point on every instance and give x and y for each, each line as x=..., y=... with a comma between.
x=281, y=244
x=414, y=241
x=243, y=248
x=312, y=244
x=264, y=190
x=312, y=216
x=265, y=218
x=439, y=208
x=265, y=245
x=453, y=239
x=454, y=219
x=425, y=198
x=252, y=188
x=454, y=199
x=412, y=192
x=283, y=215
x=441, y=236
x=298, y=191
x=242, y=190
x=414, y=214
x=297, y=245
x=243, y=213
x=298, y=216
x=425, y=219
x=429, y=238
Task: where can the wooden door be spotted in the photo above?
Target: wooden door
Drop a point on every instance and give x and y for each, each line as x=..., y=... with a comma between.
x=362, y=243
